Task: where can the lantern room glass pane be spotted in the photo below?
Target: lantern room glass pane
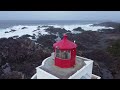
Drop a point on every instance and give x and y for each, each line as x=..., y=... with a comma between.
x=64, y=54
x=58, y=52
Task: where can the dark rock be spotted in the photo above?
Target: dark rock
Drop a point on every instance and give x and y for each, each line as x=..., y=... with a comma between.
x=53, y=30
x=114, y=48
x=6, y=68
x=24, y=28
x=20, y=52
x=108, y=24
x=85, y=40
x=6, y=32
x=109, y=31
x=26, y=36
x=35, y=30
x=79, y=29
x=38, y=28
x=12, y=30
x=0, y=61
x=47, y=41
x=45, y=26
x=15, y=36
x=13, y=75
x=101, y=70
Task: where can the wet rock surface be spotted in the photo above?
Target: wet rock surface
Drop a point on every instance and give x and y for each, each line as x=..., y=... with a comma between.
x=22, y=54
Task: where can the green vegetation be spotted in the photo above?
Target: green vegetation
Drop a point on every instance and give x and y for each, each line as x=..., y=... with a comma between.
x=114, y=49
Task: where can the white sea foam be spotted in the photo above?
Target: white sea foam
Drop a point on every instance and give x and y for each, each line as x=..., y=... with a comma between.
x=19, y=31
x=85, y=27
x=30, y=29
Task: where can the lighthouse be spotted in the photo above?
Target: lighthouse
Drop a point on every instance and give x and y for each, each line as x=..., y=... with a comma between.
x=65, y=64
x=65, y=53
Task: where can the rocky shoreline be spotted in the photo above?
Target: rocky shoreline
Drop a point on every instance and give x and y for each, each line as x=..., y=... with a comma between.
x=19, y=56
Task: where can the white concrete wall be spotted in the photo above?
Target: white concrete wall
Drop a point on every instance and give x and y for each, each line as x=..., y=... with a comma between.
x=85, y=59
x=34, y=76
x=95, y=76
x=44, y=62
x=87, y=69
x=41, y=74
x=52, y=55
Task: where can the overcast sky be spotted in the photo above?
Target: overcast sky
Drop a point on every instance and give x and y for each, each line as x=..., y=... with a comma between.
x=60, y=15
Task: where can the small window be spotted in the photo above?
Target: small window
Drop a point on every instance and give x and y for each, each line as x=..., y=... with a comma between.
x=66, y=54
x=58, y=52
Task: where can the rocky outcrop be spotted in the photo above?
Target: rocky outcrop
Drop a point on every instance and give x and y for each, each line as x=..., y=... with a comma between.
x=12, y=30
x=6, y=32
x=47, y=41
x=85, y=40
x=27, y=36
x=52, y=30
x=13, y=75
x=38, y=28
x=79, y=29
x=107, y=31
x=102, y=70
x=24, y=28
x=108, y=24
x=22, y=54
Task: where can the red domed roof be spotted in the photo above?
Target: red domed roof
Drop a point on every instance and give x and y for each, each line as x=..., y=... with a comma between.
x=65, y=43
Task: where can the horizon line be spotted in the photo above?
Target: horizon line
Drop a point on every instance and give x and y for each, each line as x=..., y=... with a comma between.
x=62, y=20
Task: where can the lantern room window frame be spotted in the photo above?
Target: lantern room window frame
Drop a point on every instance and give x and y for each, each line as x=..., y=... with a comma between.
x=61, y=53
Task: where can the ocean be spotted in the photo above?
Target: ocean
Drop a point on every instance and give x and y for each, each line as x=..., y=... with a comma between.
x=31, y=26
x=9, y=23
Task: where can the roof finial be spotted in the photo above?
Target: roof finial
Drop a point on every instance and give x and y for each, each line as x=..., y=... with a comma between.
x=65, y=36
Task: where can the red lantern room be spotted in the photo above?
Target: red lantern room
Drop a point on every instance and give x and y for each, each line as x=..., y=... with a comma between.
x=65, y=53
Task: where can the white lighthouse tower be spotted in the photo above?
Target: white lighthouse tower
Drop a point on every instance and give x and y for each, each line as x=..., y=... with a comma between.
x=64, y=64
